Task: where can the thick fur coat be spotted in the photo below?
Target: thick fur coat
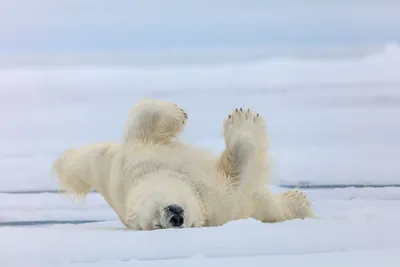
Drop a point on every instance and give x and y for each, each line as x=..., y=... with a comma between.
x=153, y=180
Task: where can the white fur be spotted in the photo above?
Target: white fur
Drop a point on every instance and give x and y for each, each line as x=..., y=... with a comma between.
x=151, y=169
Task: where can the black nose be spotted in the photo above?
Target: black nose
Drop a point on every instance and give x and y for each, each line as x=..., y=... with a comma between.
x=176, y=220
x=175, y=209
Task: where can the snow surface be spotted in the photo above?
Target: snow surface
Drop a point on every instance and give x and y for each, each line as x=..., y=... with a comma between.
x=331, y=122
x=356, y=227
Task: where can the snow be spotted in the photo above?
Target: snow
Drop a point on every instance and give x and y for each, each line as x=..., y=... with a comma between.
x=332, y=122
x=355, y=227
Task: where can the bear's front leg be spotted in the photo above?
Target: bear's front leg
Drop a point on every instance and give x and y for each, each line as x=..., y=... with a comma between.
x=155, y=121
x=245, y=157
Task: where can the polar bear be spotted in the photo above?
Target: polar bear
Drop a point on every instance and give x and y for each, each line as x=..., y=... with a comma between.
x=153, y=180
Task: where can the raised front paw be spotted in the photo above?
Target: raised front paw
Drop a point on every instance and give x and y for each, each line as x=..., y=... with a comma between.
x=182, y=114
x=154, y=120
x=245, y=123
x=162, y=109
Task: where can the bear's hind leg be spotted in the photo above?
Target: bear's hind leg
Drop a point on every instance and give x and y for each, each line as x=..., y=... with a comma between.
x=81, y=169
x=244, y=159
x=155, y=121
x=295, y=204
x=292, y=204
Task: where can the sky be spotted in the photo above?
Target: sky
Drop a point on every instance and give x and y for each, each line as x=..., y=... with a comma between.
x=59, y=26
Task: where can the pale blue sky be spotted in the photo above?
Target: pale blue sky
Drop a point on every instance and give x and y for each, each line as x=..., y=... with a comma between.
x=115, y=25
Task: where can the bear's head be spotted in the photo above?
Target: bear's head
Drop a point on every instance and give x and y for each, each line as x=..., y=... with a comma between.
x=163, y=200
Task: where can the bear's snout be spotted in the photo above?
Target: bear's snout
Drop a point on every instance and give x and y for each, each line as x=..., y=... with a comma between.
x=175, y=215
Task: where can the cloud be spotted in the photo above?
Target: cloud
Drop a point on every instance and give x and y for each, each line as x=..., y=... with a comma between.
x=44, y=25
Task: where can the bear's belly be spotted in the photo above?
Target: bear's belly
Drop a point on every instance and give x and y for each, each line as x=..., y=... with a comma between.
x=178, y=158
